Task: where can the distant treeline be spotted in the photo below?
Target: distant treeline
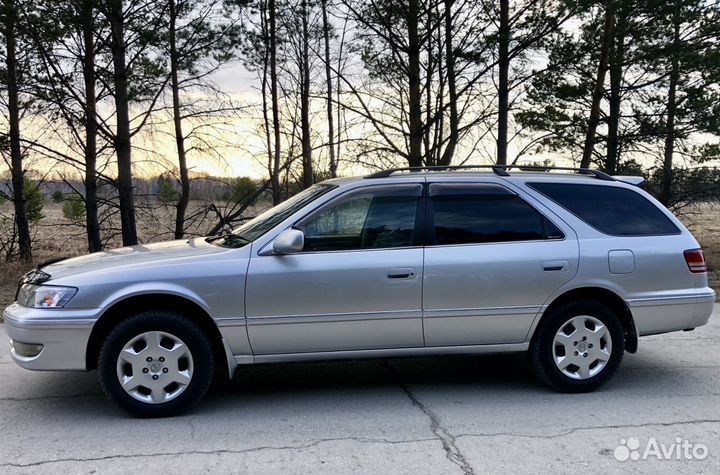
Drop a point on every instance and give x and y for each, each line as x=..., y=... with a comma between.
x=161, y=188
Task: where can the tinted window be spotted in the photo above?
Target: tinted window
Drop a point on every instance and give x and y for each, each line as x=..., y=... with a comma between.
x=366, y=221
x=609, y=209
x=481, y=218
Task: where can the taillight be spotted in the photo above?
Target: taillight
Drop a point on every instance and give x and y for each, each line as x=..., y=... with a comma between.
x=695, y=259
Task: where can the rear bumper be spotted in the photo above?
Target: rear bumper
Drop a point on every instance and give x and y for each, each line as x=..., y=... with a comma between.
x=63, y=334
x=703, y=309
x=667, y=314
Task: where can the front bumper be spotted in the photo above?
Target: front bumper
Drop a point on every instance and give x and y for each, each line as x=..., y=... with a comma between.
x=63, y=333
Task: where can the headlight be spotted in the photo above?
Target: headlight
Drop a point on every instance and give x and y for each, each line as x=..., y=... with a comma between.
x=45, y=296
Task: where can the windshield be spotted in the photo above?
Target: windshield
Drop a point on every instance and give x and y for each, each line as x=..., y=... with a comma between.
x=264, y=222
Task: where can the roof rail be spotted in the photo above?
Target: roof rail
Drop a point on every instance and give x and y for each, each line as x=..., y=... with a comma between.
x=501, y=170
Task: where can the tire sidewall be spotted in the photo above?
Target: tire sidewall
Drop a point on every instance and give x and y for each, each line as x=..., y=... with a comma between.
x=184, y=329
x=543, y=350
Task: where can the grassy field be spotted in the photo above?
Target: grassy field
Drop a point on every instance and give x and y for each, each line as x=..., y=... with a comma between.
x=704, y=222
x=56, y=237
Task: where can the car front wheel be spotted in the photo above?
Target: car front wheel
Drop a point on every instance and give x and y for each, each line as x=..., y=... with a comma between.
x=156, y=364
x=578, y=346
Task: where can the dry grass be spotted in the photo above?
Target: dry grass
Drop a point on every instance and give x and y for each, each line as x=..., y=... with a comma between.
x=55, y=236
x=704, y=222
x=58, y=237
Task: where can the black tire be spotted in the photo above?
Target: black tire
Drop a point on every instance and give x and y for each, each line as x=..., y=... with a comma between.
x=541, y=347
x=172, y=323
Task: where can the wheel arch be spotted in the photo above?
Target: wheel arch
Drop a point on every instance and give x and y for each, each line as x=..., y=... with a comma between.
x=130, y=305
x=605, y=297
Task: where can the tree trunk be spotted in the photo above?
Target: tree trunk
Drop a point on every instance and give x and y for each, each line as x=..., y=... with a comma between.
x=667, y=177
x=264, y=90
x=328, y=80
x=616, y=72
x=503, y=86
x=427, y=87
x=599, y=87
x=91, y=203
x=415, y=158
x=307, y=164
x=275, y=175
x=454, y=135
x=122, y=117
x=18, y=176
x=184, y=199
x=338, y=96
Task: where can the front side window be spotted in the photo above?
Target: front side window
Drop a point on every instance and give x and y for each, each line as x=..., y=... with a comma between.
x=610, y=209
x=261, y=224
x=471, y=215
x=375, y=219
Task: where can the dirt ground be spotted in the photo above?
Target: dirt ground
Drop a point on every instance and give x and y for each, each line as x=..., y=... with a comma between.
x=56, y=236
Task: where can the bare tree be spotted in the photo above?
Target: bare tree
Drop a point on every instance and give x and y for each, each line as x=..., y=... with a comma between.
x=273, y=40
x=503, y=81
x=184, y=198
x=304, y=60
x=327, y=28
x=417, y=54
x=200, y=37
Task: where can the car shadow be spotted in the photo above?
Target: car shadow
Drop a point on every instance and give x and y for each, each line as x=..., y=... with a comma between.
x=374, y=374
x=68, y=394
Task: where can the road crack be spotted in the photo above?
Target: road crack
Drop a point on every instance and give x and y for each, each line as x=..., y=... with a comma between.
x=573, y=430
x=452, y=451
x=212, y=452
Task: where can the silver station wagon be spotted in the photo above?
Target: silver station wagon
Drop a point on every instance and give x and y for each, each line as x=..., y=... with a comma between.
x=569, y=267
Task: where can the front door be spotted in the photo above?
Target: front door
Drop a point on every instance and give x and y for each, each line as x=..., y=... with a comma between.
x=356, y=285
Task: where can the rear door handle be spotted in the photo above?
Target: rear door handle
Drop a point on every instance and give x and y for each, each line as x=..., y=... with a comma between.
x=549, y=266
x=401, y=273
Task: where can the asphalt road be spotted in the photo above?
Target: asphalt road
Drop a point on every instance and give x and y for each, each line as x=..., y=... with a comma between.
x=455, y=415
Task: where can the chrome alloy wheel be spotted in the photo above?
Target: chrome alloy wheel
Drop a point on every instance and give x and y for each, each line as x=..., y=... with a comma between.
x=582, y=347
x=155, y=367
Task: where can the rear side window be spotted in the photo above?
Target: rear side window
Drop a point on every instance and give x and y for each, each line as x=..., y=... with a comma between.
x=467, y=216
x=609, y=209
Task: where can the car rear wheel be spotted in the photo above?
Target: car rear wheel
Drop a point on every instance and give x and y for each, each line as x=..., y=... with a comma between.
x=578, y=346
x=156, y=364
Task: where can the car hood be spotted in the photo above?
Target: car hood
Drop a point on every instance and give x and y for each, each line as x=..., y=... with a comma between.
x=133, y=255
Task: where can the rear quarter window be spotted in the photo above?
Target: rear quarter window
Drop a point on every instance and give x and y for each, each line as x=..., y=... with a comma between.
x=609, y=209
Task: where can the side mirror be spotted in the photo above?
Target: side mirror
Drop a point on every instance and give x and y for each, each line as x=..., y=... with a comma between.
x=289, y=241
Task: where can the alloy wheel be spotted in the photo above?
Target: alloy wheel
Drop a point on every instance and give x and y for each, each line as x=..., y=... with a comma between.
x=582, y=347
x=155, y=367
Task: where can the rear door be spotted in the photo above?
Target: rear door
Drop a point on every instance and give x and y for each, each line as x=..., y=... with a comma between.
x=491, y=263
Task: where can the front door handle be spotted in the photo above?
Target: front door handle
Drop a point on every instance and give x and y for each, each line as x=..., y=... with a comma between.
x=554, y=265
x=401, y=273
